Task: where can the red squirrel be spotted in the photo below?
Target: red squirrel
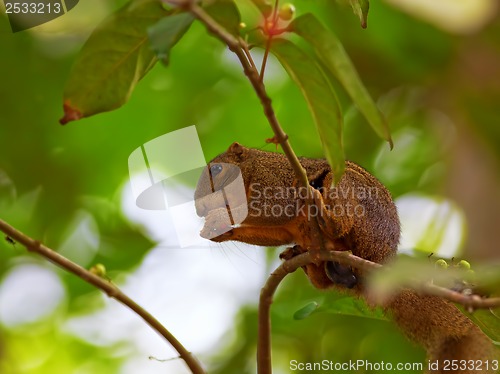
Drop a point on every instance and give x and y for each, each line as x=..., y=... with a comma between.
x=356, y=214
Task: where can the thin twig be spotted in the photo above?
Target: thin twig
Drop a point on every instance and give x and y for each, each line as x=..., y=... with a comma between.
x=264, y=59
x=471, y=302
x=366, y=266
x=107, y=287
x=246, y=50
x=275, y=11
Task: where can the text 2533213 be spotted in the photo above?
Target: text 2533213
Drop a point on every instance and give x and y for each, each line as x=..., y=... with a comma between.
x=33, y=8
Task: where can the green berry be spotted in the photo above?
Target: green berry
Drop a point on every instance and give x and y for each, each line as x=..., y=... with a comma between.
x=286, y=12
x=441, y=264
x=99, y=270
x=465, y=265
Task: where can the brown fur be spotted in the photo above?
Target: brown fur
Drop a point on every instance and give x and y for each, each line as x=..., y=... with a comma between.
x=374, y=235
x=443, y=331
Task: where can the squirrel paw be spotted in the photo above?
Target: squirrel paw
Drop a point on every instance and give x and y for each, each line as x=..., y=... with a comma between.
x=340, y=274
x=291, y=252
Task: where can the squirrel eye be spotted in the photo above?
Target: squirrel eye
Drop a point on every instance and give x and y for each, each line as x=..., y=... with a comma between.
x=215, y=169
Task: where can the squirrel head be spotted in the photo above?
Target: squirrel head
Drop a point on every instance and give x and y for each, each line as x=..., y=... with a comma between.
x=235, y=154
x=221, y=182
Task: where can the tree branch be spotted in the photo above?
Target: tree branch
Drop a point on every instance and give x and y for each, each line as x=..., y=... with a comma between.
x=266, y=295
x=470, y=302
x=264, y=366
x=107, y=287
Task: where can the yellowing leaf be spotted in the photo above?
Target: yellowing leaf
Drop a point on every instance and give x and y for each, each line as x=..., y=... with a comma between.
x=114, y=58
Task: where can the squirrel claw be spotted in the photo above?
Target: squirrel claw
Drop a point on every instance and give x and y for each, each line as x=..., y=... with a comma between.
x=290, y=253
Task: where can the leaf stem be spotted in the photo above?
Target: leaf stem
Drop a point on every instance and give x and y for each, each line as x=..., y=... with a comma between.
x=274, y=21
x=246, y=50
x=264, y=59
x=107, y=287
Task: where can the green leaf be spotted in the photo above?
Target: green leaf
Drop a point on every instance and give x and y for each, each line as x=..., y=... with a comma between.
x=353, y=307
x=488, y=320
x=306, y=311
x=333, y=55
x=320, y=98
x=112, y=61
x=264, y=7
x=167, y=32
x=226, y=13
x=360, y=8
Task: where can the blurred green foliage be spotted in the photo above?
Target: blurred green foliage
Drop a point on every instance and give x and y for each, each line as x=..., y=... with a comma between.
x=440, y=93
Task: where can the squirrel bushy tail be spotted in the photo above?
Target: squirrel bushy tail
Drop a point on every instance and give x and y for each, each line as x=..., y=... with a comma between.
x=445, y=332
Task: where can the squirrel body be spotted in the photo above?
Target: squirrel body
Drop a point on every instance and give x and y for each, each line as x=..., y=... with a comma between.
x=356, y=214
x=361, y=216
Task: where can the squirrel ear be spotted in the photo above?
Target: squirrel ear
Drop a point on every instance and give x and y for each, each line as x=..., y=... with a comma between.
x=236, y=149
